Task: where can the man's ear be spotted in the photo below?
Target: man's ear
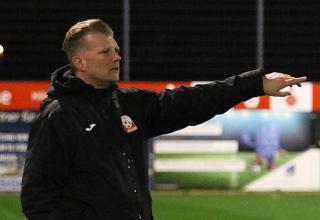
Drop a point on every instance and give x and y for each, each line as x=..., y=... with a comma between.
x=79, y=63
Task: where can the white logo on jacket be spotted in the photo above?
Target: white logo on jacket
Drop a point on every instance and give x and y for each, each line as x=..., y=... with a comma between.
x=128, y=125
x=91, y=126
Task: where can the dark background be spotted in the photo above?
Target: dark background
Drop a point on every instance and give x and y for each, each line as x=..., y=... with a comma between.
x=170, y=39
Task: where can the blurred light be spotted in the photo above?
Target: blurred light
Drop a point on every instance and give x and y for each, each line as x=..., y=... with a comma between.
x=170, y=86
x=1, y=49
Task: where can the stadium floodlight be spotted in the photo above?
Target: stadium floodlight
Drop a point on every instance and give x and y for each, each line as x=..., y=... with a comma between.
x=1, y=51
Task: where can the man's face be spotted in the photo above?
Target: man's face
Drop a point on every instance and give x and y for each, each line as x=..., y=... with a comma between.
x=101, y=60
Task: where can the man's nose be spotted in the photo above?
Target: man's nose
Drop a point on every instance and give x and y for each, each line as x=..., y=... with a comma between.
x=117, y=57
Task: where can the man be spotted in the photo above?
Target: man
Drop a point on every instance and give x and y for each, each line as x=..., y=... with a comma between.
x=265, y=140
x=87, y=155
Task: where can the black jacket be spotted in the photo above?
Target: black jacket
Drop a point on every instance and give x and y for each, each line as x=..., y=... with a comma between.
x=86, y=160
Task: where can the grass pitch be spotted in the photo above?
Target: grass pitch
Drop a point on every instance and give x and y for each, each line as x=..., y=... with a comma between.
x=237, y=206
x=211, y=205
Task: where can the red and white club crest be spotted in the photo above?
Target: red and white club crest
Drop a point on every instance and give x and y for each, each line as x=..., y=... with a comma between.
x=128, y=125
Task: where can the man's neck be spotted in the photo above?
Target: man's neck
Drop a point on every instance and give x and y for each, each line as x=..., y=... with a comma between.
x=90, y=81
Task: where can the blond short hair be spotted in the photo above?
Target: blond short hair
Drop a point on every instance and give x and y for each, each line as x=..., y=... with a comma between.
x=74, y=37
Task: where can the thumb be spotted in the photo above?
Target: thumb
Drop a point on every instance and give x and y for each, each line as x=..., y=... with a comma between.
x=283, y=93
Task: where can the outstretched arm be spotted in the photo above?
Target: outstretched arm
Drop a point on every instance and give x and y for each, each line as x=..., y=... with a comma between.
x=273, y=83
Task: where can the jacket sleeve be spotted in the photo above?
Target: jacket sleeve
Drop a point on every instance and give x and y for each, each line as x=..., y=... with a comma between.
x=49, y=157
x=171, y=110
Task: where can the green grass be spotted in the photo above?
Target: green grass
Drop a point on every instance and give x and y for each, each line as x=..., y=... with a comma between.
x=208, y=205
x=239, y=206
x=10, y=208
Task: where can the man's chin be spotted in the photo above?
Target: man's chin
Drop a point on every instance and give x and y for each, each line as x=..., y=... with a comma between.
x=116, y=79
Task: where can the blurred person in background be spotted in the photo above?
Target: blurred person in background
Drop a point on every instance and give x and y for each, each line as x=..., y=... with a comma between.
x=87, y=156
x=266, y=142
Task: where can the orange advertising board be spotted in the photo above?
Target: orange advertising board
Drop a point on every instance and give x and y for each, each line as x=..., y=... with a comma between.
x=154, y=86
x=19, y=95
x=262, y=102
x=27, y=95
x=316, y=97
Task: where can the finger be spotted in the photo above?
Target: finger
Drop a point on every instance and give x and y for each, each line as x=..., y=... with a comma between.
x=292, y=77
x=298, y=84
x=294, y=81
x=284, y=93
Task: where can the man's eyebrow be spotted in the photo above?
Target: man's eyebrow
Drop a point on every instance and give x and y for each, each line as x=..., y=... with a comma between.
x=107, y=49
